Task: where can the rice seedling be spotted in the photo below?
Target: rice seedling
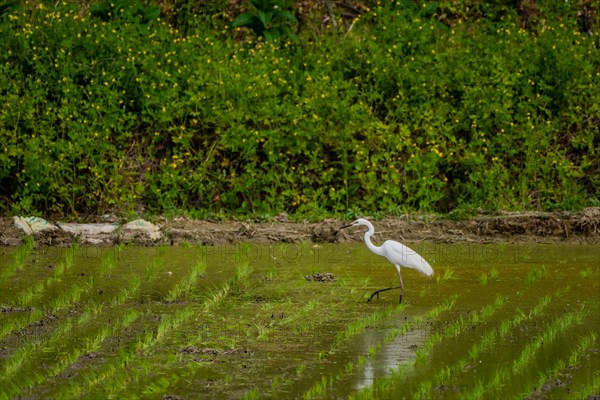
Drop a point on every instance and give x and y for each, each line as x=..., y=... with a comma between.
x=156, y=386
x=494, y=273
x=535, y=275
x=252, y=394
x=217, y=296
x=446, y=276
x=300, y=369
x=319, y=388
x=483, y=279
x=153, y=269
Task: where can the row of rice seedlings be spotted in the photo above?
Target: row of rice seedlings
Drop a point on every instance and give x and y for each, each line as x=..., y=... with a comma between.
x=504, y=372
x=459, y=326
x=584, y=345
x=221, y=297
x=358, y=326
x=187, y=284
x=218, y=297
x=295, y=321
x=92, y=309
x=138, y=365
x=95, y=310
x=26, y=297
x=387, y=384
x=62, y=338
x=110, y=373
x=21, y=257
x=452, y=331
x=65, y=299
x=25, y=353
x=487, y=340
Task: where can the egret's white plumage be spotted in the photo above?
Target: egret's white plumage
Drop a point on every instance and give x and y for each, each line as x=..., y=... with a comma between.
x=397, y=253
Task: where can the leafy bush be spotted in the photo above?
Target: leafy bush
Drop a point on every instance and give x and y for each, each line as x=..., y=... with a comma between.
x=270, y=19
x=414, y=109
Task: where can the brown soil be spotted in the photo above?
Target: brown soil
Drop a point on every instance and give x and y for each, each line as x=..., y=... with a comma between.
x=511, y=227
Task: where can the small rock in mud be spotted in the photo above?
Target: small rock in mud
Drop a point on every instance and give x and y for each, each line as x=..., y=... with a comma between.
x=443, y=388
x=321, y=277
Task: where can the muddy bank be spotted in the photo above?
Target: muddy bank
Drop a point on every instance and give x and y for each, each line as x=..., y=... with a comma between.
x=511, y=227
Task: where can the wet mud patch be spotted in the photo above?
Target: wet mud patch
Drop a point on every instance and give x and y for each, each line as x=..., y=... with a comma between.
x=321, y=277
x=208, y=351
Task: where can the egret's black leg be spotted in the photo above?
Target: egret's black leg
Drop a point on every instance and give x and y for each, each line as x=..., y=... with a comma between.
x=376, y=293
x=401, y=287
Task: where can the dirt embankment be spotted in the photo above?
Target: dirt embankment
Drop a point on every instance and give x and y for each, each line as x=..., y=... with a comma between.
x=517, y=227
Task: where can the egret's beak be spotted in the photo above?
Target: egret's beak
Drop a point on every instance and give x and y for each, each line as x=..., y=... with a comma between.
x=345, y=226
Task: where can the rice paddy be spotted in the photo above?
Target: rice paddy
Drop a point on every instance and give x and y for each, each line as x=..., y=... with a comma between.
x=496, y=321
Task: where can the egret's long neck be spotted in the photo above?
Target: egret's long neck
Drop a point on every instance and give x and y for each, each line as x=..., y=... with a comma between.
x=370, y=245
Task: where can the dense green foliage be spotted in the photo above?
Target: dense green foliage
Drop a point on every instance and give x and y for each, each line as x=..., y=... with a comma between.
x=417, y=107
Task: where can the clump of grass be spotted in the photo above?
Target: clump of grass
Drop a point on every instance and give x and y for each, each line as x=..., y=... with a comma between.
x=586, y=272
x=446, y=276
x=535, y=275
x=483, y=279
x=153, y=269
x=251, y=394
x=494, y=273
x=319, y=388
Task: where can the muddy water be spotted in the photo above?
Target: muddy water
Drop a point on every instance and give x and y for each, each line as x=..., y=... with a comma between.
x=495, y=321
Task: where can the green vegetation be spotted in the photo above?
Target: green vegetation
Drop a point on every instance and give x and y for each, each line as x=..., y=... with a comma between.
x=432, y=106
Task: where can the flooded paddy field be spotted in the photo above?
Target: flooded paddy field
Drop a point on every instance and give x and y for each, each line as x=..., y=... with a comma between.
x=292, y=321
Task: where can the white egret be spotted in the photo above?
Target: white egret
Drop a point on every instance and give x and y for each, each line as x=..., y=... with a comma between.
x=397, y=253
